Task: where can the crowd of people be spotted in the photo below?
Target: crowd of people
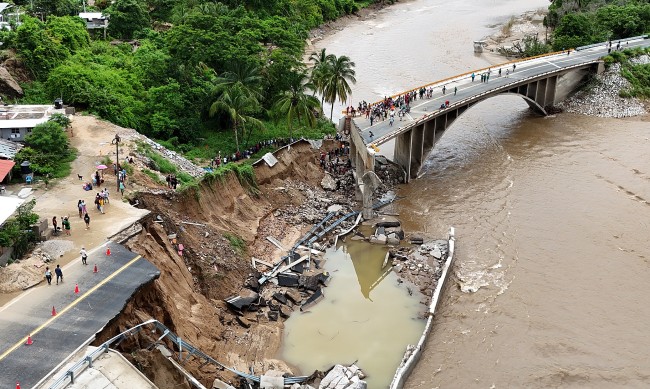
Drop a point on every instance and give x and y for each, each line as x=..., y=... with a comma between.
x=336, y=161
x=220, y=160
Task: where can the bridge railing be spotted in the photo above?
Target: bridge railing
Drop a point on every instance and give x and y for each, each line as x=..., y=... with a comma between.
x=468, y=74
x=456, y=104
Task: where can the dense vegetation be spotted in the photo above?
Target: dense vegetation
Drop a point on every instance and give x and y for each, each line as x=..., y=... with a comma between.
x=16, y=231
x=184, y=70
x=47, y=149
x=637, y=74
x=582, y=22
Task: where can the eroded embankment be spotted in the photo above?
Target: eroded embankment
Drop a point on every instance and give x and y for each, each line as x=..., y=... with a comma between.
x=220, y=225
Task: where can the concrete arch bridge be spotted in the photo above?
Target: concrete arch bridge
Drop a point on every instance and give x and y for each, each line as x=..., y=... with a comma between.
x=541, y=81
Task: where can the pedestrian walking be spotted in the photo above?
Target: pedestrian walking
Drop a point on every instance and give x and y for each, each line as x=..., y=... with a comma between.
x=80, y=208
x=507, y=72
x=122, y=187
x=84, y=256
x=55, y=225
x=87, y=221
x=455, y=90
x=59, y=274
x=514, y=66
x=444, y=89
x=66, y=225
x=48, y=275
x=473, y=75
x=499, y=72
x=84, y=210
x=487, y=77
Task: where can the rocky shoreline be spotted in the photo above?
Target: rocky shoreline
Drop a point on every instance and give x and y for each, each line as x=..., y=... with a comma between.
x=601, y=97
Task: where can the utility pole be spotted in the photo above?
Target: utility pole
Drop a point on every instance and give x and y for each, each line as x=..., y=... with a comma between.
x=116, y=140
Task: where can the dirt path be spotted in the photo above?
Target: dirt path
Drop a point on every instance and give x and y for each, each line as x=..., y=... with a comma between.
x=92, y=139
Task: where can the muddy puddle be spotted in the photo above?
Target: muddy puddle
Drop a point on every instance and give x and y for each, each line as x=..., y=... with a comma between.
x=366, y=316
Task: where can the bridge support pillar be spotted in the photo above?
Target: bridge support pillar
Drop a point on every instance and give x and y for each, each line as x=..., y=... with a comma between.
x=403, y=153
x=417, y=149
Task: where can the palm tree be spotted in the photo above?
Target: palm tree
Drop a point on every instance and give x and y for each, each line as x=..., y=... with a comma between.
x=336, y=87
x=296, y=102
x=244, y=75
x=319, y=72
x=238, y=105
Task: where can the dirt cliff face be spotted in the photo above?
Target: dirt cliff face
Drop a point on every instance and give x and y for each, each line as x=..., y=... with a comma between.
x=188, y=296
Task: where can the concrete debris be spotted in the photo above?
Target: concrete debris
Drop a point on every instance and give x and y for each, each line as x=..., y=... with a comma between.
x=243, y=321
x=602, y=99
x=271, y=382
x=312, y=300
x=343, y=377
x=294, y=296
x=218, y=384
x=329, y=183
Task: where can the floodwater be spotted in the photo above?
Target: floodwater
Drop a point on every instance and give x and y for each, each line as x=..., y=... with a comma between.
x=366, y=316
x=551, y=216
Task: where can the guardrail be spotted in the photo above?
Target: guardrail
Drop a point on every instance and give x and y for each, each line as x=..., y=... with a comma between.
x=391, y=135
x=504, y=64
x=69, y=376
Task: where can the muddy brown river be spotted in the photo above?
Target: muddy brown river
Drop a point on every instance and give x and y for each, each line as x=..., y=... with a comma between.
x=551, y=215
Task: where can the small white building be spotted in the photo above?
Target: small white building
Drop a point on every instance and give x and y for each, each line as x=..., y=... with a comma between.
x=17, y=121
x=7, y=17
x=95, y=20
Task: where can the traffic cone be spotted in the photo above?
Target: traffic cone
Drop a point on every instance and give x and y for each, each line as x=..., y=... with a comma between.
x=95, y=269
x=108, y=251
x=76, y=288
x=53, y=311
x=29, y=340
x=17, y=385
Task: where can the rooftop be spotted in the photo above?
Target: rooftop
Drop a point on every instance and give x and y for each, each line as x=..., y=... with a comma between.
x=8, y=149
x=26, y=116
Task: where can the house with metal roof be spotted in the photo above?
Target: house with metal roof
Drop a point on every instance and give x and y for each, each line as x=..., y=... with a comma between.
x=17, y=121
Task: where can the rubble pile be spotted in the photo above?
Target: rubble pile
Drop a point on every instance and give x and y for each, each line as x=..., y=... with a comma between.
x=422, y=265
x=602, y=99
x=317, y=204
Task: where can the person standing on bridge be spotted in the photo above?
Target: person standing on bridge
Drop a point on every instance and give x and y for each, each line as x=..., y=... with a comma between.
x=444, y=89
x=84, y=256
x=499, y=72
x=59, y=274
x=473, y=75
x=372, y=118
x=87, y=220
x=455, y=90
x=514, y=66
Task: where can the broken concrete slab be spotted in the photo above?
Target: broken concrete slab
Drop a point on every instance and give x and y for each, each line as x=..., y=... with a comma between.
x=280, y=297
x=342, y=377
x=272, y=315
x=291, y=280
x=378, y=239
x=329, y=183
x=334, y=208
x=312, y=300
x=293, y=295
x=284, y=311
x=239, y=303
x=269, y=382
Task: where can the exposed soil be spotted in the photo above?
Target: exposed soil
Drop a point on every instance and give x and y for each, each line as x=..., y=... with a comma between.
x=189, y=295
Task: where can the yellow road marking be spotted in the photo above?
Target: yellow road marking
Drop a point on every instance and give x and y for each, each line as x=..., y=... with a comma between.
x=72, y=304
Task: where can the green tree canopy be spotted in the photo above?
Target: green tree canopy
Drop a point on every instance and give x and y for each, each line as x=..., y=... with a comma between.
x=127, y=18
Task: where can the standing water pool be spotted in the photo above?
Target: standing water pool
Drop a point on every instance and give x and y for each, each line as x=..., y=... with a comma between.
x=366, y=316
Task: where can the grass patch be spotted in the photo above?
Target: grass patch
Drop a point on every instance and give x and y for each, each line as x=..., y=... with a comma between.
x=154, y=176
x=637, y=75
x=243, y=171
x=238, y=245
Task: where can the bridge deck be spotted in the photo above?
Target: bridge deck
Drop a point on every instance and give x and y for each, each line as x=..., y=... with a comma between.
x=381, y=132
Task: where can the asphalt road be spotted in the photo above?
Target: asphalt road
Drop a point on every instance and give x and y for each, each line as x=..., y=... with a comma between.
x=101, y=297
x=382, y=131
